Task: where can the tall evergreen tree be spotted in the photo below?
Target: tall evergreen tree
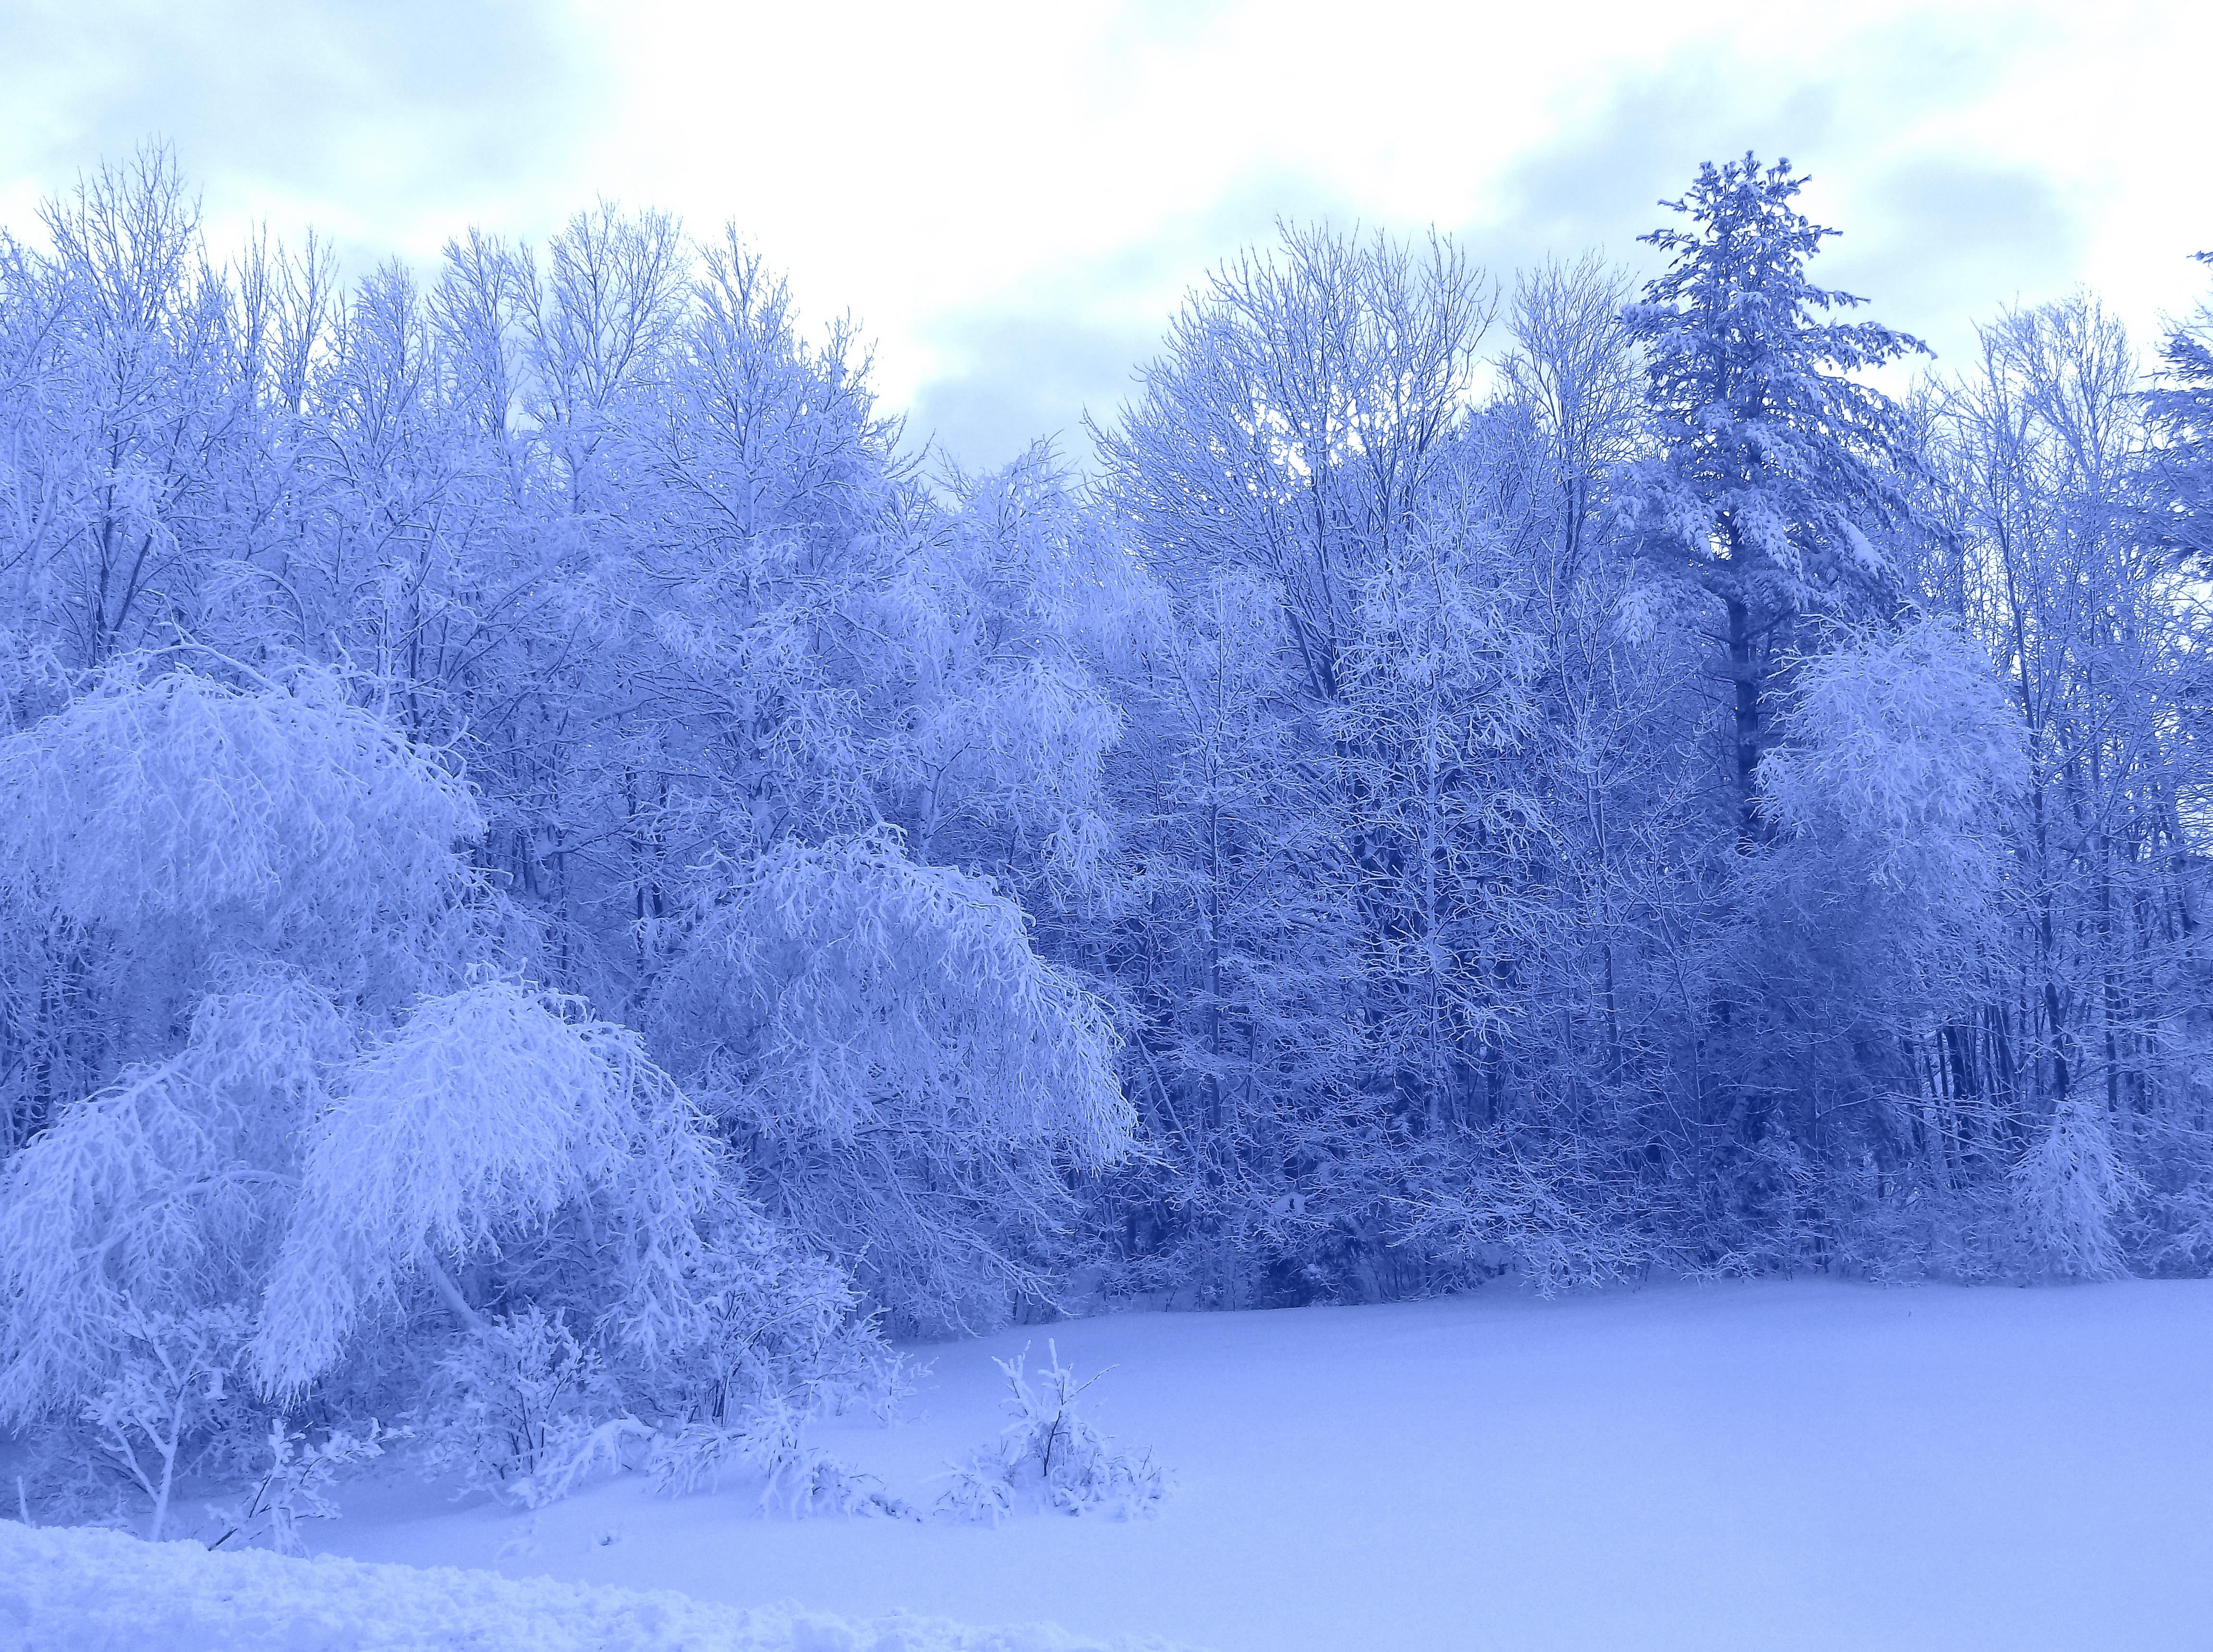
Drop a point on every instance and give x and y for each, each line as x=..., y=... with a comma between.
x=2180, y=410
x=1778, y=484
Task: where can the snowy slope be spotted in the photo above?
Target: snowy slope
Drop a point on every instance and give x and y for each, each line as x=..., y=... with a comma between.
x=91, y=1591
x=1772, y=1466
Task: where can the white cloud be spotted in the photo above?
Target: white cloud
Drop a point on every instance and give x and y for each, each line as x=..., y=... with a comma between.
x=1012, y=196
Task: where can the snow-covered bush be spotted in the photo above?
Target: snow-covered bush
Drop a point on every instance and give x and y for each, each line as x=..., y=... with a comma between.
x=777, y=1321
x=1051, y=1456
x=698, y=1456
x=292, y=1485
x=768, y=1442
x=516, y=1398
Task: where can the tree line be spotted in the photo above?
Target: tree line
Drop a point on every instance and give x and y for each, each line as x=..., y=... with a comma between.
x=521, y=797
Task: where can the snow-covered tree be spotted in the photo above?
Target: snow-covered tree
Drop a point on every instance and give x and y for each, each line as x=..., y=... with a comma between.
x=2085, y=1053
x=850, y=705
x=548, y=868
x=1779, y=487
x=366, y=1121
x=2181, y=409
x=133, y=375
x=884, y=1043
x=171, y=827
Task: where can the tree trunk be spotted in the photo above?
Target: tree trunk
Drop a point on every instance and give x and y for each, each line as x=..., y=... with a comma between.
x=1745, y=679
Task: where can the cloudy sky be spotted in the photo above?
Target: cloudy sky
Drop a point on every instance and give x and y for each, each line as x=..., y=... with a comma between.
x=1012, y=198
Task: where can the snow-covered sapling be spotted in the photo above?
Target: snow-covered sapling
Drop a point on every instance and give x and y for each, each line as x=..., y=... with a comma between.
x=293, y=1486
x=173, y=1377
x=1051, y=1456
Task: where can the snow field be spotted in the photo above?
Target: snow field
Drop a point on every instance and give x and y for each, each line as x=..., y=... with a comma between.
x=1775, y=1468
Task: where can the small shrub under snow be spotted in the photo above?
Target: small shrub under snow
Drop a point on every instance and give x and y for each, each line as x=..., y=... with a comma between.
x=1051, y=1456
x=521, y=1408
x=798, y=1476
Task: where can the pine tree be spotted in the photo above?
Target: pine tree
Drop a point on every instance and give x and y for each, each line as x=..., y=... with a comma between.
x=2180, y=413
x=1779, y=478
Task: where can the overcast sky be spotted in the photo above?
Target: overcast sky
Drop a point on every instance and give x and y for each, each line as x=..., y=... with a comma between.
x=1012, y=198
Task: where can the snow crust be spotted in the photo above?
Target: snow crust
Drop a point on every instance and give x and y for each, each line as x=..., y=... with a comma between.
x=101, y=1591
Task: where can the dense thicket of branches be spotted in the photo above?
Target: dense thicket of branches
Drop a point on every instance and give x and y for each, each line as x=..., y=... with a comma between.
x=516, y=799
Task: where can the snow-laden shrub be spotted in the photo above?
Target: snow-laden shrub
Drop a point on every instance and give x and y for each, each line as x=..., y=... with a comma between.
x=1051, y=1456
x=530, y=1410
x=787, y=1346
x=292, y=1485
x=699, y=1456
x=777, y=1321
x=172, y=1407
x=516, y=1399
x=767, y=1441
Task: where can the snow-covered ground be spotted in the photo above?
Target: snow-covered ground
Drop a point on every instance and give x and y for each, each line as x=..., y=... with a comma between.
x=92, y=1591
x=1770, y=1466
x=1766, y=1466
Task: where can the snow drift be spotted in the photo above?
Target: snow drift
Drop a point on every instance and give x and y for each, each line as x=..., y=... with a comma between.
x=69, y=1590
